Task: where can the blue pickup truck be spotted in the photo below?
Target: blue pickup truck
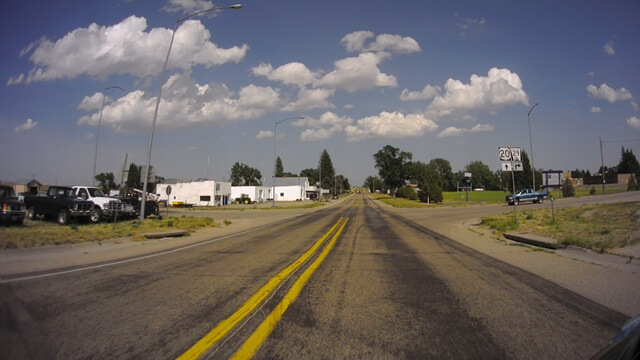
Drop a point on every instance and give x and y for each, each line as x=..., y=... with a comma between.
x=526, y=195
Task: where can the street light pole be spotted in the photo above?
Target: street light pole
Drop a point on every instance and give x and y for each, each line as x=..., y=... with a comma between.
x=155, y=113
x=533, y=169
x=275, y=133
x=95, y=153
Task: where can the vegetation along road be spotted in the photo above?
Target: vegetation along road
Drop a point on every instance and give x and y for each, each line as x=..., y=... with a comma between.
x=354, y=280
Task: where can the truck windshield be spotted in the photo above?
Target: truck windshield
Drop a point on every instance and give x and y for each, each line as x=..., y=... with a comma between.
x=95, y=192
x=62, y=192
x=6, y=192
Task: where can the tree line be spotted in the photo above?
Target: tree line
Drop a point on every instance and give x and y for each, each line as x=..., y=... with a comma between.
x=323, y=175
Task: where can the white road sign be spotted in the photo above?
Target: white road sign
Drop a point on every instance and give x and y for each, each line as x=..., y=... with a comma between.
x=516, y=154
x=505, y=153
x=517, y=166
x=510, y=153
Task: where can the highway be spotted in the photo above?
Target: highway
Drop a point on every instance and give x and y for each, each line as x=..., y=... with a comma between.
x=349, y=281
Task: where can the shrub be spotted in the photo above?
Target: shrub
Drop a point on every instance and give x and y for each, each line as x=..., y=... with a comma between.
x=632, y=185
x=592, y=191
x=567, y=189
x=430, y=192
x=407, y=192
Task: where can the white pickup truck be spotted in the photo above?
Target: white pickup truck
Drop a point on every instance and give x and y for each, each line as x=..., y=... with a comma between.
x=104, y=206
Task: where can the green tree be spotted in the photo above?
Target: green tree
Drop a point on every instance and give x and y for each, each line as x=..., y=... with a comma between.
x=289, y=174
x=628, y=163
x=391, y=165
x=568, y=189
x=326, y=170
x=279, y=167
x=133, y=177
x=632, y=185
x=443, y=167
x=346, y=186
x=311, y=174
x=373, y=183
x=482, y=176
x=244, y=175
x=107, y=182
x=523, y=178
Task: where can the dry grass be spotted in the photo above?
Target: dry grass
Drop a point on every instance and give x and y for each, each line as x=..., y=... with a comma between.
x=40, y=233
x=597, y=227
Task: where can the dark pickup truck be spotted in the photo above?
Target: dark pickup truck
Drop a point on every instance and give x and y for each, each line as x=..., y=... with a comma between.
x=60, y=202
x=13, y=211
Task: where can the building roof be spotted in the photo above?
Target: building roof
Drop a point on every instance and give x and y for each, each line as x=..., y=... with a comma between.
x=26, y=181
x=290, y=181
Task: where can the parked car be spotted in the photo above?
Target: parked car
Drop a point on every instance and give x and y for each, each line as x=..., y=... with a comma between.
x=59, y=202
x=104, y=206
x=13, y=210
x=526, y=195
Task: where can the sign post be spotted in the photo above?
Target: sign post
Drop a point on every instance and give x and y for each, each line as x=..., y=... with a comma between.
x=511, y=158
x=168, y=193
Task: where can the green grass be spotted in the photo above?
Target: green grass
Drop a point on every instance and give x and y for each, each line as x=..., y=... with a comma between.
x=40, y=233
x=597, y=227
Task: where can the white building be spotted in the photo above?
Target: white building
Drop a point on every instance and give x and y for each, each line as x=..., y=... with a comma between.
x=258, y=194
x=197, y=193
x=292, y=189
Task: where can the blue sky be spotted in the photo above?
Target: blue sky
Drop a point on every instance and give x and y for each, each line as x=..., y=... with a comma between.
x=451, y=79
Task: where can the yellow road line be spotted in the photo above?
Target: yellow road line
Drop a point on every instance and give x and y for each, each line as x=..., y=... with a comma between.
x=256, y=339
x=229, y=323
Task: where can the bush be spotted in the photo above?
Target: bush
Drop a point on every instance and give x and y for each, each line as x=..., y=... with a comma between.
x=431, y=193
x=592, y=191
x=567, y=189
x=407, y=192
x=632, y=185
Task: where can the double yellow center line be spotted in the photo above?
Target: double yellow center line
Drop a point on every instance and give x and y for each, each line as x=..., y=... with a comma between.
x=261, y=333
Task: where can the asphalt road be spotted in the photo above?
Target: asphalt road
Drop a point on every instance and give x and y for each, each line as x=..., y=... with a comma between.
x=376, y=286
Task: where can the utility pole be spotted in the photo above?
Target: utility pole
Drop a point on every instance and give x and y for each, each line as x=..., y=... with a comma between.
x=602, y=160
x=124, y=169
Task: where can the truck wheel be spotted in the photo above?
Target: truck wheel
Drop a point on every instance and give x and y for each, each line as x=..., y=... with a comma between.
x=31, y=213
x=96, y=215
x=516, y=201
x=540, y=199
x=19, y=222
x=63, y=217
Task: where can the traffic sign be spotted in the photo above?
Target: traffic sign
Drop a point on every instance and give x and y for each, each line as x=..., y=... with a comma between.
x=505, y=153
x=512, y=166
x=510, y=153
x=516, y=154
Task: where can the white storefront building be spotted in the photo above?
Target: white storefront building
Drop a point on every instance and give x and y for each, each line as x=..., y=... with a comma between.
x=197, y=193
x=292, y=189
x=259, y=194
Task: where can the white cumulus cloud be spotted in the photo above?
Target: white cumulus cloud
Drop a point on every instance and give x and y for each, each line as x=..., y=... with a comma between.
x=264, y=134
x=185, y=103
x=634, y=122
x=322, y=128
x=595, y=109
x=309, y=99
x=608, y=48
x=390, y=125
x=293, y=73
x=355, y=42
x=28, y=125
x=455, y=131
x=500, y=88
x=607, y=93
x=125, y=48
x=93, y=102
x=358, y=73
x=425, y=94
x=189, y=6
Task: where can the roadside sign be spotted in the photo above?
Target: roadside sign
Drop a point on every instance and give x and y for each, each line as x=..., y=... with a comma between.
x=511, y=166
x=516, y=154
x=505, y=153
x=467, y=174
x=510, y=153
x=168, y=190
